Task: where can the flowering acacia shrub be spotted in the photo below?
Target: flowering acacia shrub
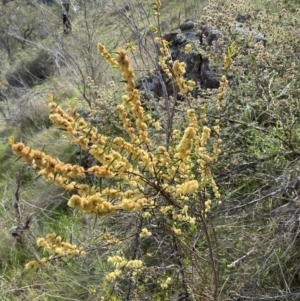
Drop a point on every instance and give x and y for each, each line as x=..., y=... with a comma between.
x=166, y=188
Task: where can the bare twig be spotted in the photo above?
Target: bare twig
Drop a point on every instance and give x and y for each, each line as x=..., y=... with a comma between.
x=241, y=259
x=18, y=230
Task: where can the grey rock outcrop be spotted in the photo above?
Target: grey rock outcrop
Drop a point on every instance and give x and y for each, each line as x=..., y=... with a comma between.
x=197, y=67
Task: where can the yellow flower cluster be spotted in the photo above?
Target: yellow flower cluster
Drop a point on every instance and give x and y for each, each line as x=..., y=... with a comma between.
x=205, y=136
x=126, y=70
x=121, y=262
x=217, y=126
x=215, y=188
x=204, y=159
x=146, y=214
x=153, y=28
x=193, y=119
x=166, y=283
x=130, y=47
x=162, y=157
x=157, y=5
x=117, y=261
x=221, y=94
x=177, y=231
x=145, y=158
x=98, y=148
x=145, y=233
x=93, y=204
x=157, y=125
x=134, y=264
x=53, y=244
x=185, y=145
x=181, y=216
x=179, y=71
x=162, y=63
x=133, y=102
x=227, y=63
x=188, y=48
x=200, y=151
x=110, y=239
x=96, y=203
x=182, y=152
x=32, y=265
x=207, y=205
x=132, y=204
x=107, y=55
x=123, y=115
x=165, y=209
x=113, y=163
x=164, y=47
x=79, y=131
x=187, y=187
x=50, y=168
x=113, y=275
x=175, y=135
x=60, y=118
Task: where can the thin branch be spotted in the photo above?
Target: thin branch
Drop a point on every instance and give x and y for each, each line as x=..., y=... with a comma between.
x=241, y=259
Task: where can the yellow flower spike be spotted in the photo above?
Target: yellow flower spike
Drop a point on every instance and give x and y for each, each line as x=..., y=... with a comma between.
x=208, y=203
x=186, y=142
x=185, y=209
x=191, y=84
x=59, y=251
x=187, y=187
x=41, y=242
x=157, y=4
x=50, y=96
x=205, y=135
x=32, y=265
x=11, y=140
x=187, y=48
x=19, y=149
x=177, y=231
x=44, y=260
x=107, y=55
x=153, y=28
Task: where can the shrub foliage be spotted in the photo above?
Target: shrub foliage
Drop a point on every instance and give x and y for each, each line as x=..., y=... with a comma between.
x=149, y=172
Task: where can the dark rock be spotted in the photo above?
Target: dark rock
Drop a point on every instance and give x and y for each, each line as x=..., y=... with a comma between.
x=208, y=77
x=170, y=36
x=210, y=34
x=197, y=67
x=242, y=18
x=179, y=40
x=186, y=25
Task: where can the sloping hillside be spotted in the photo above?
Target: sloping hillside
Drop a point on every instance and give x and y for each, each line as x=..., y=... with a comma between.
x=190, y=193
